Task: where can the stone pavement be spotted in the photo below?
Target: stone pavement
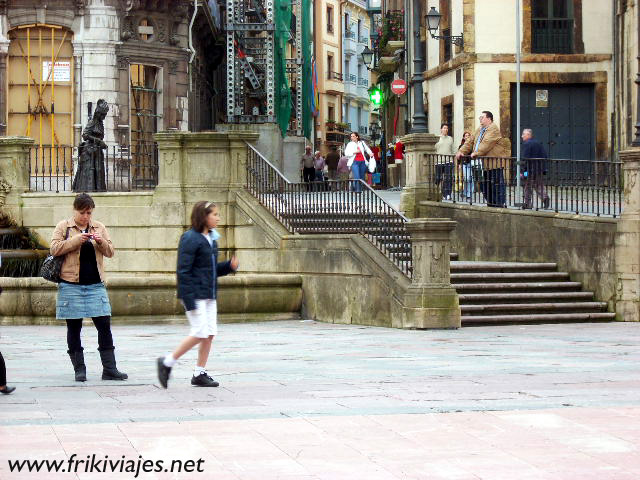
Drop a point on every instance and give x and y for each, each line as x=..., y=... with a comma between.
x=306, y=400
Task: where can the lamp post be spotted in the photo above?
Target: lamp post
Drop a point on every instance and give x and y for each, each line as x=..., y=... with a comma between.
x=419, y=121
x=367, y=57
x=374, y=129
x=433, y=24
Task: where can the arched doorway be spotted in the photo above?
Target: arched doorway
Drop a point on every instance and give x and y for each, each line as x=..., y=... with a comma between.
x=40, y=100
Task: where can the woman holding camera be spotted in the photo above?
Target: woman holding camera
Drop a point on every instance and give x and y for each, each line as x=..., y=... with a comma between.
x=81, y=292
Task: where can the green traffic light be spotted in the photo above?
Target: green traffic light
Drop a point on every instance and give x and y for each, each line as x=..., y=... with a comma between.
x=376, y=97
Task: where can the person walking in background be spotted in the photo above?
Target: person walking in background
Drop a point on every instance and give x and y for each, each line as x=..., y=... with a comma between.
x=487, y=141
x=318, y=168
x=343, y=172
x=84, y=243
x=445, y=167
x=535, y=168
x=332, y=160
x=355, y=151
x=198, y=271
x=306, y=166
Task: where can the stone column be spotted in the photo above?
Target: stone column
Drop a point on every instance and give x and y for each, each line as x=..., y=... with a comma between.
x=14, y=172
x=628, y=241
x=419, y=172
x=430, y=301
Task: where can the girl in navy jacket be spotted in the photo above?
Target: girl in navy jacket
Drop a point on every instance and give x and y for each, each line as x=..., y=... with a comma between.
x=198, y=271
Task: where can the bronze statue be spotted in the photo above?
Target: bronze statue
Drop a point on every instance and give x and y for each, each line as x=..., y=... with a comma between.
x=90, y=176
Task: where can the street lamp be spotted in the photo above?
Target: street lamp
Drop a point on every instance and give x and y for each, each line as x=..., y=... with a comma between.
x=367, y=57
x=433, y=24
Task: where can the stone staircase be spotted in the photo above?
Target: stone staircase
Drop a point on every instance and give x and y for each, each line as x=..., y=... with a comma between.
x=489, y=292
x=514, y=292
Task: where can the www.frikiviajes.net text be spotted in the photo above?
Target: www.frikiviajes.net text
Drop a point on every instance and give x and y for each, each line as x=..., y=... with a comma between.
x=100, y=464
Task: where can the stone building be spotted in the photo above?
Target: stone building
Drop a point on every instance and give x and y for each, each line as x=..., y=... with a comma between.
x=155, y=62
x=567, y=71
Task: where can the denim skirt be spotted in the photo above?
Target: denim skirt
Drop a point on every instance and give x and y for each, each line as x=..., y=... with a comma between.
x=82, y=301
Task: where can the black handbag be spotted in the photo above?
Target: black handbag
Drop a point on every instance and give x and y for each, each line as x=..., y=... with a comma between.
x=52, y=266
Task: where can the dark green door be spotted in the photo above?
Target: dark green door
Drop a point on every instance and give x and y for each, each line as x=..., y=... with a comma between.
x=562, y=117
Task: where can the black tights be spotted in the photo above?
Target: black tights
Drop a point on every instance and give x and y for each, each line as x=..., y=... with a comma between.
x=3, y=372
x=103, y=325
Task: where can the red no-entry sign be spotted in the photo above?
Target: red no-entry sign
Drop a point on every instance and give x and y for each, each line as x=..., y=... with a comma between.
x=398, y=86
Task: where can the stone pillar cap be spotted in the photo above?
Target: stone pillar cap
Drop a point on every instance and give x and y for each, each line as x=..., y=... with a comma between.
x=431, y=224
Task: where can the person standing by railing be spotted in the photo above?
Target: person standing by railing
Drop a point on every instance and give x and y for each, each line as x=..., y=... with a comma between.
x=306, y=166
x=465, y=172
x=487, y=141
x=318, y=167
x=444, y=169
x=355, y=151
x=343, y=172
x=332, y=165
x=535, y=168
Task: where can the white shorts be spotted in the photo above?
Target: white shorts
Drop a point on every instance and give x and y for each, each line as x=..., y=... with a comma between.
x=204, y=319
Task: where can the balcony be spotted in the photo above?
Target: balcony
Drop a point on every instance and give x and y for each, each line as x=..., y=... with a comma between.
x=334, y=86
x=552, y=35
x=350, y=86
x=334, y=76
x=363, y=40
x=350, y=43
x=363, y=88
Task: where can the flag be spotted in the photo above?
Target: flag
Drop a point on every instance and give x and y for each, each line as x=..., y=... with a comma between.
x=315, y=100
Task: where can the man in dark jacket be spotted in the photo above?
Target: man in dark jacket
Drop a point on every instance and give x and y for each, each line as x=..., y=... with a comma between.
x=535, y=168
x=332, y=160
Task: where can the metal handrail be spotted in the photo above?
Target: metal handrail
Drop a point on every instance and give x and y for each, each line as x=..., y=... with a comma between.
x=583, y=187
x=342, y=206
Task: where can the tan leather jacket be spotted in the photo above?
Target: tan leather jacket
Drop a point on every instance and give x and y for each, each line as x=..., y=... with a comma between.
x=70, y=247
x=491, y=145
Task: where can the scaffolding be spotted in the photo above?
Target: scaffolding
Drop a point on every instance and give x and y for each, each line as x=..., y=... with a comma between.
x=259, y=42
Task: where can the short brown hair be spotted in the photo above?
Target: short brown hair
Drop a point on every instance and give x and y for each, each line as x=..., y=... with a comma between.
x=83, y=201
x=199, y=214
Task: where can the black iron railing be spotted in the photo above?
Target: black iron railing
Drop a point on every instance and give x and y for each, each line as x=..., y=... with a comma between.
x=127, y=167
x=341, y=206
x=552, y=35
x=585, y=187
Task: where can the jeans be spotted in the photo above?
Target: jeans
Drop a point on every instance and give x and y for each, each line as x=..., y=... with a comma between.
x=469, y=183
x=103, y=325
x=494, y=187
x=309, y=175
x=444, y=174
x=358, y=169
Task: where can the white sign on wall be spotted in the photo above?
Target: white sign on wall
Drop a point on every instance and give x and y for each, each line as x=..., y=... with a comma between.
x=61, y=71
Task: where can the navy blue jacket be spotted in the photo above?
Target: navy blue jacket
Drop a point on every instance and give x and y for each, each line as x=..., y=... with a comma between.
x=197, y=277
x=535, y=157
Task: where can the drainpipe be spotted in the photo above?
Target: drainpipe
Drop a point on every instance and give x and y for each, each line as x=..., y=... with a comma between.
x=193, y=50
x=615, y=134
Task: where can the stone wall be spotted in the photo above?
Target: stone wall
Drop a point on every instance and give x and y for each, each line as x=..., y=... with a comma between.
x=581, y=245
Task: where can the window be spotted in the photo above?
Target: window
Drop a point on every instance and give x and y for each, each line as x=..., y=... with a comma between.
x=346, y=22
x=329, y=65
x=329, y=19
x=445, y=28
x=552, y=26
x=331, y=113
x=359, y=28
x=447, y=115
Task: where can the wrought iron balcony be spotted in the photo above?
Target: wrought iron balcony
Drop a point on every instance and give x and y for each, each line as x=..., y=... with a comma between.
x=552, y=35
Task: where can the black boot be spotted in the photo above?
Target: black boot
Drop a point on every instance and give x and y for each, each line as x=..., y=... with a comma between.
x=109, y=369
x=77, y=359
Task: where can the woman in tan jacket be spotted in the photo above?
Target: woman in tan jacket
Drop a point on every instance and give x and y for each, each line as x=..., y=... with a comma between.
x=81, y=291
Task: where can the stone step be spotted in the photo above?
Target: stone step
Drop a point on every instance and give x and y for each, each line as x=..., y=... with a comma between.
x=484, y=277
x=6, y=254
x=514, y=308
x=539, y=318
x=519, y=286
x=524, y=298
x=502, y=266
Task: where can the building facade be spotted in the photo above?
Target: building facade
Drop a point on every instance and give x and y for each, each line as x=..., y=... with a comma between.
x=567, y=72
x=154, y=62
